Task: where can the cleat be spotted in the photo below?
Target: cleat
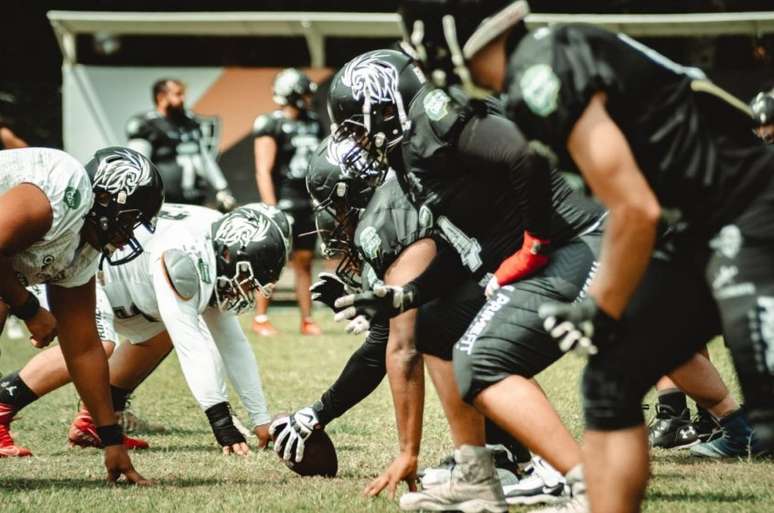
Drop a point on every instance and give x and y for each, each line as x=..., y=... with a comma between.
x=264, y=328
x=473, y=487
x=310, y=328
x=83, y=433
x=668, y=430
x=543, y=485
x=707, y=428
x=577, y=502
x=8, y=448
x=508, y=471
x=131, y=423
x=736, y=441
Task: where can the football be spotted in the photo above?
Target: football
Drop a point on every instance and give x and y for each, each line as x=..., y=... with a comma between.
x=319, y=459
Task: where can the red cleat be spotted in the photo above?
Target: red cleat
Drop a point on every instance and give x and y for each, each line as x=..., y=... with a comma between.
x=310, y=328
x=83, y=433
x=8, y=449
x=263, y=327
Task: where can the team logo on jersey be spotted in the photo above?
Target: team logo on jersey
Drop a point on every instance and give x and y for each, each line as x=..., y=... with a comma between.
x=371, y=78
x=728, y=242
x=370, y=242
x=123, y=175
x=540, y=88
x=241, y=229
x=436, y=105
x=72, y=197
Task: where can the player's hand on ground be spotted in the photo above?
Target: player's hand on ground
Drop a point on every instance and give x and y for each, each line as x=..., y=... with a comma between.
x=581, y=327
x=239, y=448
x=402, y=468
x=42, y=327
x=118, y=463
x=327, y=289
x=263, y=435
x=290, y=433
x=383, y=302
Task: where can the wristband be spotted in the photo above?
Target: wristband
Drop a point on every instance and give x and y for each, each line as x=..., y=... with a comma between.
x=226, y=433
x=110, y=435
x=27, y=309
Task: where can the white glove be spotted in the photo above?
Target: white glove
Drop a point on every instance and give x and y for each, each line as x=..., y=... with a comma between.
x=290, y=433
x=358, y=325
x=492, y=286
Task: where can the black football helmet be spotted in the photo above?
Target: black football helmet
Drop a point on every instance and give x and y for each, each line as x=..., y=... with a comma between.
x=446, y=34
x=128, y=192
x=279, y=218
x=763, y=108
x=291, y=86
x=368, y=103
x=330, y=187
x=337, y=242
x=250, y=253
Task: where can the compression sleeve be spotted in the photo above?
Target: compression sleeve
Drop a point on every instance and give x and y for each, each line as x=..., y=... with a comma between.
x=195, y=350
x=240, y=363
x=493, y=143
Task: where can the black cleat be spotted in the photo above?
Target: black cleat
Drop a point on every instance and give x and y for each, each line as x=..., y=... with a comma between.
x=668, y=430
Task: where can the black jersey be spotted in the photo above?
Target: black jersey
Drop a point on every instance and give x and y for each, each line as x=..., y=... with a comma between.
x=478, y=210
x=692, y=141
x=389, y=224
x=296, y=140
x=176, y=149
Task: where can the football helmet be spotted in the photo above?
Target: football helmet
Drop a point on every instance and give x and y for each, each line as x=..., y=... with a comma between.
x=291, y=86
x=128, y=192
x=446, y=34
x=250, y=252
x=368, y=104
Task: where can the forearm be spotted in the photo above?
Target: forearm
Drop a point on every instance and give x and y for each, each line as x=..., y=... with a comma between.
x=363, y=372
x=11, y=291
x=265, y=155
x=213, y=173
x=406, y=377
x=88, y=369
x=626, y=250
x=445, y=272
x=240, y=363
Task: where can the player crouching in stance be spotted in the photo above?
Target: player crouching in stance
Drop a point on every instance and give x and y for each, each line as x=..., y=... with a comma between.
x=59, y=219
x=199, y=271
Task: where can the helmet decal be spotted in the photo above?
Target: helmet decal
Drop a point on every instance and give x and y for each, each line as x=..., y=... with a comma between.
x=242, y=230
x=124, y=174
x=372, y=79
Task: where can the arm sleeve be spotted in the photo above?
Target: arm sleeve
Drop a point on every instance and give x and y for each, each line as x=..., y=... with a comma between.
x=212, y=172
x=363, y=372
x=492, y=143
x=240, y=363
x=197, y=355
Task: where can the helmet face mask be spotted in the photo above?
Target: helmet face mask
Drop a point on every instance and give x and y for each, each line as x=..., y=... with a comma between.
x=236, y=293
x=337, y=234
x=358, y=155
x=128, y=193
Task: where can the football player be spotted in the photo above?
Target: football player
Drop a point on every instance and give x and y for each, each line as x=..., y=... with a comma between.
x=284, y=142
x=496, y=202
x=373, y=232
x=171, y=137
x=60, y=218
x=682, y=152
x=763, y=110
x=200, y=270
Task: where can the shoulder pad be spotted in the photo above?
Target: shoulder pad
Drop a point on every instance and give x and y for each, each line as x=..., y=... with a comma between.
x=265, y=124
x=181, y=272
x=135, y=127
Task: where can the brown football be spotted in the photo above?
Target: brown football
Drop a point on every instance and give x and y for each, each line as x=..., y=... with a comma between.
x=319, y=459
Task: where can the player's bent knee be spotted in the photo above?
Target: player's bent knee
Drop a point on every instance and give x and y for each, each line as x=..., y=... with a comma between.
x=611, y=398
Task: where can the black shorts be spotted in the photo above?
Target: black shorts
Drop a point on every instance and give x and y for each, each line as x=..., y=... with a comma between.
x=441, y=322
x=507, y=336
x=304, y=229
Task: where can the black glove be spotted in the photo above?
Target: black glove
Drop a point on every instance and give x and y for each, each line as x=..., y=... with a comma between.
x=327, y=289
x=225, y=201
x=226, y=433
x=583, y=327
x=383, y=302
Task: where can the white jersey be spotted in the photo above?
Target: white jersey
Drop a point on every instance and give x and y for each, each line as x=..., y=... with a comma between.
x=57, y=257
x=145, y=302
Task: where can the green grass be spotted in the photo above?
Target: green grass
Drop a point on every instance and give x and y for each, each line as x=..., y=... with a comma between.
x=192, y=475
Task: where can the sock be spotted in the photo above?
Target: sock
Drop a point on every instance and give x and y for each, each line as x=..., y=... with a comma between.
x=15, y=392
x=261, y=318
x=119, y=396
x=673, y=398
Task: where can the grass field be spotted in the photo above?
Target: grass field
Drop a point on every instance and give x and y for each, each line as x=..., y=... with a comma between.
x=191, y=475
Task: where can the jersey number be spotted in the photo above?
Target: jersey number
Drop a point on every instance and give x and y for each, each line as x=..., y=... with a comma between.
x=468, y=247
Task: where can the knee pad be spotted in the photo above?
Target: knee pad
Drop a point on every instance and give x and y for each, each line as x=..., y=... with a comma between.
x=612, y=400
